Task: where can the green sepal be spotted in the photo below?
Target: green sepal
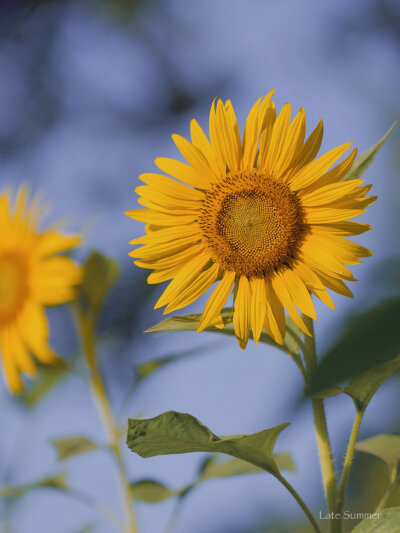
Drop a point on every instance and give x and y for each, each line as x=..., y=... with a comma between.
x=70, y=446
x=386, y=521
x=362, y=163
x=172, y=433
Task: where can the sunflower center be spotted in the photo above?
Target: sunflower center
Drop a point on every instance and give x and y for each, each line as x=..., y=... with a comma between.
x=251, y=223
x=13, y=286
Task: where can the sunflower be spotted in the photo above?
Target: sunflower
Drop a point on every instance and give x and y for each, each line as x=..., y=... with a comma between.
x=31, y=277
x=261, y=216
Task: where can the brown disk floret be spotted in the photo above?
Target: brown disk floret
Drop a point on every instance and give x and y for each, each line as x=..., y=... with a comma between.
x=251, y=223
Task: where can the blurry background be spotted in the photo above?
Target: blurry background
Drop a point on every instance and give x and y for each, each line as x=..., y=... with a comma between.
x=90, y=92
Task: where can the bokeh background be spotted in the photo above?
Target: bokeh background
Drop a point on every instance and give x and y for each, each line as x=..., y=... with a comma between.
x=90, y=92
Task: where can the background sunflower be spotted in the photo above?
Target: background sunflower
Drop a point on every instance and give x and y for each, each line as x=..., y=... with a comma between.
x=32, y=276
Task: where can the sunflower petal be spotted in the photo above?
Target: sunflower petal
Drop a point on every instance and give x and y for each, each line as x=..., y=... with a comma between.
x=241, y=316
x=216, y=301
x=258, y=306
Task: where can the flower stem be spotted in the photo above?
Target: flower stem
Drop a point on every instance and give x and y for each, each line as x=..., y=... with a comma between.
x=321, y=427
x=341, y=493
x=300, y=501
x=87, y=334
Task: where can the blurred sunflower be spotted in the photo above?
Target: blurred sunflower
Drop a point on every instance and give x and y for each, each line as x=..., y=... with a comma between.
x=261, y=216
x=31, y=277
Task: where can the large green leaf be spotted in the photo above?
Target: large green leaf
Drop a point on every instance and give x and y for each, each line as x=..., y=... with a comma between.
x=173, y=432
x=370, y=339
x=73, y=446
x=100, y=274
x=386, y=447
x=362, y=387
x=363, y=162
x=386, y=521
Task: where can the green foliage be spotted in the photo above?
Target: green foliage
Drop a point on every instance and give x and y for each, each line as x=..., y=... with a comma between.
x=363, y=162
x=71, y=446
x=328, y=392
x=190, y=322
x=47, y=378
x=145, y=369
x=100, y=274
x=52, y=482
x=213, y=467
x=370, y=339
x=362, y=387
x=388, y=522
x=386, y=447
x=174, y=432
x=86, y=529
x=150, y=491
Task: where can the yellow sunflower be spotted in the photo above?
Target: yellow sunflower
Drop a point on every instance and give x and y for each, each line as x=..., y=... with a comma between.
x=260, y=215
x=31, y=277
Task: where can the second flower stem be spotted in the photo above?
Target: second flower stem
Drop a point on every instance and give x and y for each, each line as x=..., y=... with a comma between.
x=87, y=334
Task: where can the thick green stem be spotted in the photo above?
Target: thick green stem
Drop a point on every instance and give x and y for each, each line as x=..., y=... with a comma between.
x=321, y=427
x=299, y=500
x=325, y=452
x=341, y=493
x=87, y=334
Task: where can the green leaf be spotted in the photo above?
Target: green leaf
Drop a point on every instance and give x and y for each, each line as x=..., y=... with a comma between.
x=73, y=446
x=86, y=529
x=328, y=392
x=363, y=162
x=370, y=339
x=146, y=368
x=386, y=521
x=173, y=432
x=386, y=447
x=213, y=466
x=150, y=491
x=362, y=388
x=100, y=274
x=285, y=462
x=52, y=482
x=190, y=323
x=47, y=378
